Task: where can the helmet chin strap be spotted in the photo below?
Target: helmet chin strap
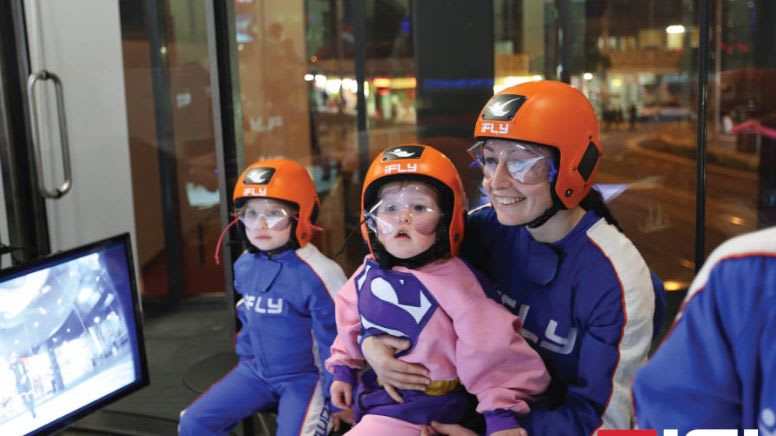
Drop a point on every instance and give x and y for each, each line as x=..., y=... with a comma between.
x=541, y=219
x=549, y=213
x=275, y=251
x=388, y=261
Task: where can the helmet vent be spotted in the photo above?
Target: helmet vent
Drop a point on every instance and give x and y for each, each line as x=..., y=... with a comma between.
x=502, y=107
x=259, y=176
x=589, y=160
x=403, y=152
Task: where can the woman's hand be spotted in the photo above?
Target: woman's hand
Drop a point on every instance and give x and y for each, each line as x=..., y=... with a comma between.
x=437, y=428
x=337, y=418
x=393, y=373
x=341, y=394
x=511, y=432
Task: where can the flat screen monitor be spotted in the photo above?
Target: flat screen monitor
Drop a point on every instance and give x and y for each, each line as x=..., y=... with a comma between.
x=70, y=336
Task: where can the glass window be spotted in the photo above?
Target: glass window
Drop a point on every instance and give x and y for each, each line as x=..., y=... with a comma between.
x=299, y=97
x=172, y=148
x=175, y=190
x=635, y=62
x=429, y=71
x=640, y=71
x=741, y=150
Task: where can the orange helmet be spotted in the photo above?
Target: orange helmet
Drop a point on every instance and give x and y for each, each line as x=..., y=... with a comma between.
x=423, y=163
x=286, y=180
x=552, y=114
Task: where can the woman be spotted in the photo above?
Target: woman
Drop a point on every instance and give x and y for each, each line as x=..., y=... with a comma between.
x=556, y=258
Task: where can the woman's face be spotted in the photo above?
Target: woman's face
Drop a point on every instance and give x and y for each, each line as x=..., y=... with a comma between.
x=267, y=223
x=515, y=203
x=406, y=217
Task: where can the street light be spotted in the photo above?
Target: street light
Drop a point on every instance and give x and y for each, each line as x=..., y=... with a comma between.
x=675, y=28
x=675, y=39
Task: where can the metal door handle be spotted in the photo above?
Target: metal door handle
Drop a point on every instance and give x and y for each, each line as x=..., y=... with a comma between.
x=36, y=146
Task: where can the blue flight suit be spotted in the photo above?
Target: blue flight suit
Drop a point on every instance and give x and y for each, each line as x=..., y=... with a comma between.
x=717, y=368
x=287, y=313
x=587, y=303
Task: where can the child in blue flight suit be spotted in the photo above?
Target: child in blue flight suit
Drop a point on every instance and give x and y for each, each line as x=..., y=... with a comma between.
x=287, y=310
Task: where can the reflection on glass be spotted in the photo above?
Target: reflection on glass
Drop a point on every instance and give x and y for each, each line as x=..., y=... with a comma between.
x=299, y=96
x=636, y=61
x=172, y=148
x=645, y=98
x=742, y=121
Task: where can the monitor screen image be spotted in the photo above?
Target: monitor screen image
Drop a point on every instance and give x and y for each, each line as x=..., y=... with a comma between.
x=70, y=336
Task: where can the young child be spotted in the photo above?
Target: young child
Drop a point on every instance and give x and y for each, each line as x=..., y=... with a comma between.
x=286, y=310
x=412, y=286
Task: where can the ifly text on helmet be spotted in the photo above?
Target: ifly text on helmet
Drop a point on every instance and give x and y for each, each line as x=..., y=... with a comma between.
x=497, y=129
x=254, y=192
x=401, y=168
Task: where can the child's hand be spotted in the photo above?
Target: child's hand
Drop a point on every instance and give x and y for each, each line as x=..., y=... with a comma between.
x=338, y=418
x=341, y=394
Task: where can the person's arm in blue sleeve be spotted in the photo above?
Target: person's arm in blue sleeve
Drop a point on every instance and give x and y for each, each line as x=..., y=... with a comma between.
x=611, y=350
x=767, y=354
x=321, y=306
x=243, y=346
x=711, y=358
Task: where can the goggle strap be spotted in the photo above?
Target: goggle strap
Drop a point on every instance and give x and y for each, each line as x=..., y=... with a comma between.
x=350, y=235
x=312, y=226
x=553, y=171
x=221, y=239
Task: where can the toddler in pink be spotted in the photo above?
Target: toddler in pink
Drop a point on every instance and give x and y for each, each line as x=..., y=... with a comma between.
x=412, y=286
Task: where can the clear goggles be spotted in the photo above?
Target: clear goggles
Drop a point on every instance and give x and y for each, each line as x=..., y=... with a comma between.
x=524, y=162
x=266, y=215
x=412, y=205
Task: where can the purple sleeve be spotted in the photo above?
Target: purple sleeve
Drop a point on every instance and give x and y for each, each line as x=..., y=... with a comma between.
x=501, y=419
x=345, y=374
x=345, y=350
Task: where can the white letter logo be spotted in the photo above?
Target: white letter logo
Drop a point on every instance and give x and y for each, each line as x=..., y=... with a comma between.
x=273, y=306
x=767, y=422
x=503, y=129
x=401, y=168
x=254, y=192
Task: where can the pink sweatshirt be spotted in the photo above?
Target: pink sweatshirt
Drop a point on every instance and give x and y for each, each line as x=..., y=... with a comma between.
x=468, y=336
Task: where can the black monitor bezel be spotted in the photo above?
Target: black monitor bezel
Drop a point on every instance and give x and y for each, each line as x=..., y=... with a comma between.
x=144, y=379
